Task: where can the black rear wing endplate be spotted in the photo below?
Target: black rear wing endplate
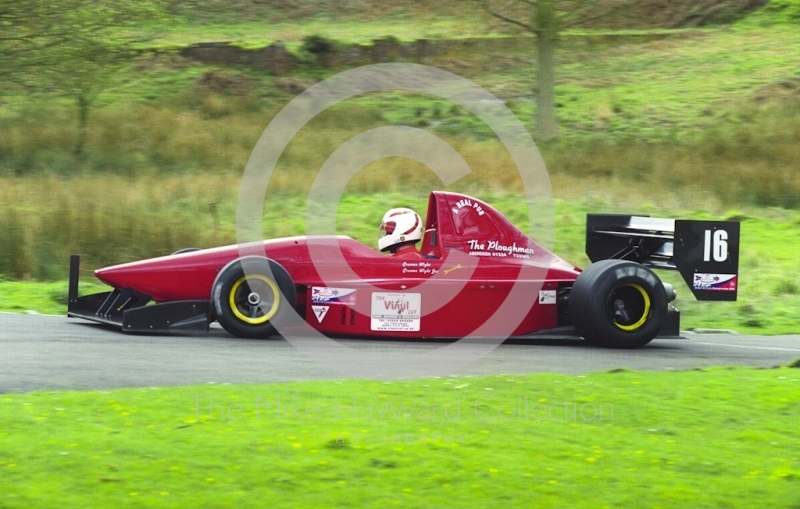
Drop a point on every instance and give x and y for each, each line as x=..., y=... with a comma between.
x=706, y=253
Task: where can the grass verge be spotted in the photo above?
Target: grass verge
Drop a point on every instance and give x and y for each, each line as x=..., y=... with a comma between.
x=613, y=439
x=48, y=297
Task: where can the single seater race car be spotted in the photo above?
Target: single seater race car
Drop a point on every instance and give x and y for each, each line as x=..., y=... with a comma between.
x=476, y=266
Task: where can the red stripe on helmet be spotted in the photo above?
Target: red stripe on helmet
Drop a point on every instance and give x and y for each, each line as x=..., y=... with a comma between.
x=416, y=223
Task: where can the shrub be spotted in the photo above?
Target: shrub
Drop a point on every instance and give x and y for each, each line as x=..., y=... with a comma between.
x=318, y=44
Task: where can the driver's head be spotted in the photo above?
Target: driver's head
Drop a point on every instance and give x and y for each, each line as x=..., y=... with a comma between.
x=399, y=226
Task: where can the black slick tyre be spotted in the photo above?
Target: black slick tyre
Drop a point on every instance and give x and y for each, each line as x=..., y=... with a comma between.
x=618, y=304
x=253, y=297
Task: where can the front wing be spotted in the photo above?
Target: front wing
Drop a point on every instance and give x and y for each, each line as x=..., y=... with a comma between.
x=133, y=311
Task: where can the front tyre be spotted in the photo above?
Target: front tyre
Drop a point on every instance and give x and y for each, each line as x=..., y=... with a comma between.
x=618, y=304
x=253, y=297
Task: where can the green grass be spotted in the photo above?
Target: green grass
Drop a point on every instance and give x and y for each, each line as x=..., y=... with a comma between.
x=43, y=297
x=713, y=438
x=675, y=88
x=680, y=111
x=775, y=12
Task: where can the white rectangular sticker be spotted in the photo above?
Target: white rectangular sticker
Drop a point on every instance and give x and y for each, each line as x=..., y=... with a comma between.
x=327, y=295
x=547, y=297
x=715, y=282
x=396, y=311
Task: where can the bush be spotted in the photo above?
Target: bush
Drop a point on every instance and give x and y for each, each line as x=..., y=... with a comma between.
x=318, y=44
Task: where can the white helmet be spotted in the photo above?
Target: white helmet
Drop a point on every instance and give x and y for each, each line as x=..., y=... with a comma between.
x=399, y=226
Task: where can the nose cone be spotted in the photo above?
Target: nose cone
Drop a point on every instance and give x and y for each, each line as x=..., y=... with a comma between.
x=186, y=276
x=145, y=273
x=127, y=275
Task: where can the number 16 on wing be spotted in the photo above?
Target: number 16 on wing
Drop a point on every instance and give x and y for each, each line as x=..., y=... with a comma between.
x=716, y=242
x=707, y=256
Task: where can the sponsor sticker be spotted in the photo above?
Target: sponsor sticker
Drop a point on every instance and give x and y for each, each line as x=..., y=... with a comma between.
x=352, y=316
x=327, y=295
x=715, y=282
x=547, y=297
x=468, y=203
x=396, y=311
x=419, y=268
x=320, y=312
x=495, y=248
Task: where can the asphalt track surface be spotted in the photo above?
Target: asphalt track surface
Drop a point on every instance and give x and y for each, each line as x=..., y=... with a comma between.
x=41, y=352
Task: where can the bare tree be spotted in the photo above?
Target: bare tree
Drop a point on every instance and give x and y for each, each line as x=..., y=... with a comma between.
x=546, y=19
x=73, y=48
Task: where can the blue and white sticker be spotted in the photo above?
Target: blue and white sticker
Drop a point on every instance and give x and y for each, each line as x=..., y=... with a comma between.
x=716, y=282
x=328, y=295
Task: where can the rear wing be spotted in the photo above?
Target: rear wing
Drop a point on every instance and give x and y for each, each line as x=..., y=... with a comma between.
x=706, y=253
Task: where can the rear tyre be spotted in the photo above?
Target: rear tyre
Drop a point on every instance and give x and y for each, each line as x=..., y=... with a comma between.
x=253, y=297
x=618, y=304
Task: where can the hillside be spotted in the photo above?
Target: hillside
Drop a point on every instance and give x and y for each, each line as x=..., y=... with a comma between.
x=639, y=14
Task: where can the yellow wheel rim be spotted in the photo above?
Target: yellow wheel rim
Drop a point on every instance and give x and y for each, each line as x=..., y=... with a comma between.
x=243, y=309
x=644, y=304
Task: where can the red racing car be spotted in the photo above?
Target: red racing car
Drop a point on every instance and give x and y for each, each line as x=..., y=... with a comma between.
x=477, y=274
